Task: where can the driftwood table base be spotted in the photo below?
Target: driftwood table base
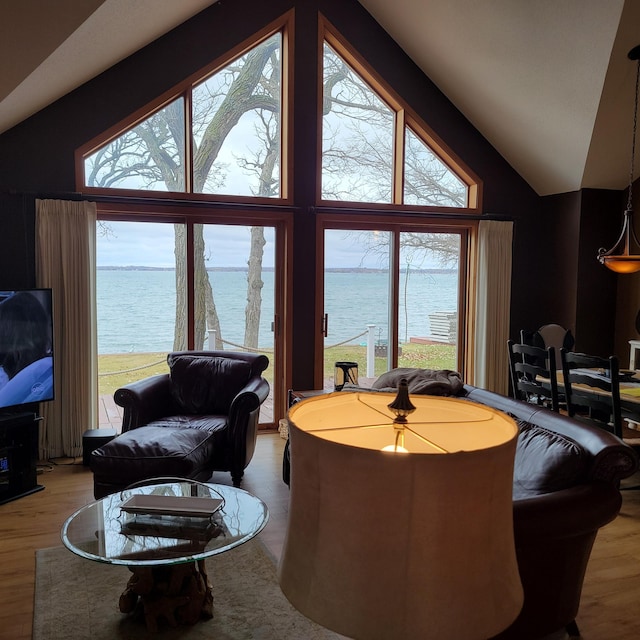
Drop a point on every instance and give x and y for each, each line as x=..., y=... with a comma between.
x=159, y=544
x=179, y=593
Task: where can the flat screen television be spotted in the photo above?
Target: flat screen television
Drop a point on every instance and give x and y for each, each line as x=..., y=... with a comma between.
x=26, y=348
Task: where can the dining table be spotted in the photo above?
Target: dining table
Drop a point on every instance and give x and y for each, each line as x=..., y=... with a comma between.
x=629, y=390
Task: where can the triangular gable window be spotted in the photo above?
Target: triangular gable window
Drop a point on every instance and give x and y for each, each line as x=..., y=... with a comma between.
x=146, y=157
x=427, y=180
x=365, y=157
x=220, y=134
x=235, y=142
x=357, y=136
x=236, y=126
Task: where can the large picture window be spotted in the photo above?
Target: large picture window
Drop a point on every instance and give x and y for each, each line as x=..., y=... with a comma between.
x=204, y=176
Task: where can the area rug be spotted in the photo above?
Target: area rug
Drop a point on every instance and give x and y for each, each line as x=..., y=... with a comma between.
x=78, y=599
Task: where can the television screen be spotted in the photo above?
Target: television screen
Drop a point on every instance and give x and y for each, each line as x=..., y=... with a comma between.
x=26, y=347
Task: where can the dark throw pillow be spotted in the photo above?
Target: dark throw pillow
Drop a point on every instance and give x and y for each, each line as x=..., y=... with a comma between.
x=545, y=462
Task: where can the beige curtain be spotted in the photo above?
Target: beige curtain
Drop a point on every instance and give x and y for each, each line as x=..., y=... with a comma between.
x=65, y=262
x=493, y=305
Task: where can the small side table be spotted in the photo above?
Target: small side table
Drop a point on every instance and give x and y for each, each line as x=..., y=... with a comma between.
x=292, y=398
x=93, y=439
x=296, y=396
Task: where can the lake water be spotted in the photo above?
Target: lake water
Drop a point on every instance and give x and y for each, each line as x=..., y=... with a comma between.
x=136, y=308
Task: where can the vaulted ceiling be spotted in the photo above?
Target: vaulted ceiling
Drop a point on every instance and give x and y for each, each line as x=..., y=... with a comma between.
x=548, y=83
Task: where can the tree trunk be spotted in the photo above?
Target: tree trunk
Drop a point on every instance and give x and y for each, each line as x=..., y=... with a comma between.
x=254, y=288
x=205, y=313
x=180, y=252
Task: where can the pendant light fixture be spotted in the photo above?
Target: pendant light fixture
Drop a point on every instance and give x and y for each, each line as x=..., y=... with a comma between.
x=624, y=257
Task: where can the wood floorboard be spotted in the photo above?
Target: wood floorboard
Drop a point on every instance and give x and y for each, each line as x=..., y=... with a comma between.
x=608, y=608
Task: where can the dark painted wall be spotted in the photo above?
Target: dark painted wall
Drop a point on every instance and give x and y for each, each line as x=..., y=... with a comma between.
x=38, y=156
x=560, y=216
x=600, y=224
x=17, y=252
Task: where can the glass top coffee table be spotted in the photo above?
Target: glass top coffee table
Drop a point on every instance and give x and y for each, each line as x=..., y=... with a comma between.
x=162, y=532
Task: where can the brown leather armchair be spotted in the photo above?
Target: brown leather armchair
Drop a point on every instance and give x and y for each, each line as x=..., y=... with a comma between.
x=199, y=418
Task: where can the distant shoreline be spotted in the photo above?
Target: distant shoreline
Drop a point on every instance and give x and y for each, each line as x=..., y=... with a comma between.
x=269, y=269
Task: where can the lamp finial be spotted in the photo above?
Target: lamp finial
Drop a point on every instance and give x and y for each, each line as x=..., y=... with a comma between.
x=401, y=405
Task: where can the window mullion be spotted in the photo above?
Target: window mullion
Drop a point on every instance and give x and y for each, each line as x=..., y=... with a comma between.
x=190, y=285
x=188, y=140
x=394, y=302
x=398, y=158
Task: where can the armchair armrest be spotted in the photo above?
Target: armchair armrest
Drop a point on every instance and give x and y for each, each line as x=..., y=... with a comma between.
x=615, y=463
x=249, y=398
x=144, y=400
x=243, y=423
x=576, y=511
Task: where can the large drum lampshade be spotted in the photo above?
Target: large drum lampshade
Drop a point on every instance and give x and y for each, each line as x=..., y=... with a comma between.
x=385, y=545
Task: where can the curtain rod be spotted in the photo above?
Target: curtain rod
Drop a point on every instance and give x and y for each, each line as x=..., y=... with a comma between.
x=436, y=215
x=75, y=195
x=133, y=200
x=68, y=195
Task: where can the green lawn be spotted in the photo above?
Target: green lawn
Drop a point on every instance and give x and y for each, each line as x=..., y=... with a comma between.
x=423, y=356
x=116, y=370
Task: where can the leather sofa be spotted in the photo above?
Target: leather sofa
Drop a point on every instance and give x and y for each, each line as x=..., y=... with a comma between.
x=565, y=487
x=200, y=417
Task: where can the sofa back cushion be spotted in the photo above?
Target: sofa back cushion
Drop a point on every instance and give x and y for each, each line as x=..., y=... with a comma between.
x=546, y=462
x=204, y=384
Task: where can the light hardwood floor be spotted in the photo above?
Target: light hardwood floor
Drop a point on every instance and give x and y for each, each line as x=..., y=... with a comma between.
x=608, y=611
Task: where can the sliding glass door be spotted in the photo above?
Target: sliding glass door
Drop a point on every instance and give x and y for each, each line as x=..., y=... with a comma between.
x=391, y=298
x=429, y=286
x=357, y=294
x=154, y=296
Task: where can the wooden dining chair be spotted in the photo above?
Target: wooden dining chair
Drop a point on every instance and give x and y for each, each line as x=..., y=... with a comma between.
x=592, y=389
x=599, y=402
x=533, y=374
x=549, y=335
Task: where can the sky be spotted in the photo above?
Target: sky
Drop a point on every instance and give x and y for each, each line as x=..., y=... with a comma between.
x=153, y=245
x=124, y=244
